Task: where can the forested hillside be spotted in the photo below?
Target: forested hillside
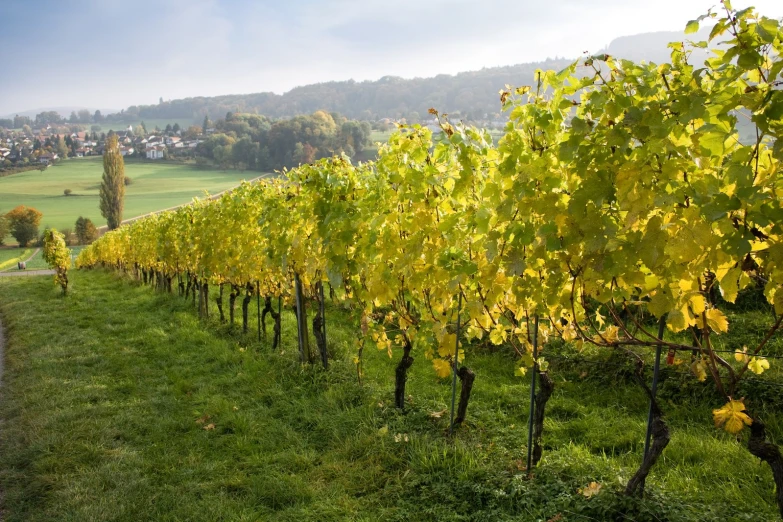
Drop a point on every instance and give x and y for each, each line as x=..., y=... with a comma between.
x=469, y=95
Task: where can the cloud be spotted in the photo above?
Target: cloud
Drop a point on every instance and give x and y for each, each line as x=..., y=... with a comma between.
x=111, y=53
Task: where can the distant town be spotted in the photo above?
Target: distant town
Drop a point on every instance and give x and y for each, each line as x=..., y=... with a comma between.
x=37, y=143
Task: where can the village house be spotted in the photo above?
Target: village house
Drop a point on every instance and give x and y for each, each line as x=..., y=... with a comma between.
x=155, y=152
x=46, y=159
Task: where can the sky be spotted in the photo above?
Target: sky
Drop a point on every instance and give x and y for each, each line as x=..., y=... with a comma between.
x=111, y=54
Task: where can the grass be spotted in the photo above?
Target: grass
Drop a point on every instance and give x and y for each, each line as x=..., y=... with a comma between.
x=155, y=186
x=118, y=404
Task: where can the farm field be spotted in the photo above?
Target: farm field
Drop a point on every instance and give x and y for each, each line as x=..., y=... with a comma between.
x=120, y=404
x=155, y=186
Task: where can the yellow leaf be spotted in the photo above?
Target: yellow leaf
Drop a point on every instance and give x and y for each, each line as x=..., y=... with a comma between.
x=612, y=334
x=731, y=417
x=520, y=372
x=447, y=345
x=717, y=321
x=442, y=367
x=699, y=369
x=591, y=490
x=498, y=334
x=698, y=303
x=599, y=318
x=758, y=364
x=676, y=321
x=741, y=356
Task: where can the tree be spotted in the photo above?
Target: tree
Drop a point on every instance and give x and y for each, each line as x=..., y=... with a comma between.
x=84, y=116
x=5, y=228
x=192, y=132
x=113, y=185
x=176, y=127
x=24, y=223
x=85, y=231
x=62, y=148
x=21, y=121
x=206, y=124
x=97, y=117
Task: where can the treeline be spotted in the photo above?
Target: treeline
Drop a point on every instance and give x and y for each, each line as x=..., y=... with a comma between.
x=258, y=143
x=471, y=95
x=44, y=118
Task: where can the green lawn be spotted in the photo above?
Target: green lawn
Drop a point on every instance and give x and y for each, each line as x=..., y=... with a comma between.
x=118, y=404
x=155, y=186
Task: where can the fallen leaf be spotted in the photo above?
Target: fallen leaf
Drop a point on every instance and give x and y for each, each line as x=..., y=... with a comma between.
x=209, y=426
x=591, y=490
x=438, y=414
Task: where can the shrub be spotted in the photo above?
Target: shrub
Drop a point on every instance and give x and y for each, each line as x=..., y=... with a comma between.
x=68, y=236
x=128, y=181
x=67, y=192
x=86, y=232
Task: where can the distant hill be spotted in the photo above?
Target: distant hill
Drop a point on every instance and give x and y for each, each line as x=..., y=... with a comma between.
x=469, y=95
x=652, y=47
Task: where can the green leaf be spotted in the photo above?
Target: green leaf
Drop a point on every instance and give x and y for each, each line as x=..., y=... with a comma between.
x=692, y=27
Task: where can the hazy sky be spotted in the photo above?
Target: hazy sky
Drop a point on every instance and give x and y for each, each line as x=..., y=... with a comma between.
x=112, y=54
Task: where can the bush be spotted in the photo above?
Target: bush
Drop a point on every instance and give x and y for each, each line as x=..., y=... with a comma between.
x=86, y=232
x=68, y=236
x=128, y=181
x=67, y=192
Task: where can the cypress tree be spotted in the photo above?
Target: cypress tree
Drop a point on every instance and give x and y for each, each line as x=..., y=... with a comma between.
x=113, y=184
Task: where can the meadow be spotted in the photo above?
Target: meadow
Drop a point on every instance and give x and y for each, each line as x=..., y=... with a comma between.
x=154, y=186
x=119, y=404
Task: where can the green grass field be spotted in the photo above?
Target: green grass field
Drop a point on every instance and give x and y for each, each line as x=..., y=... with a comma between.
x=155, y=186
x=119, y=404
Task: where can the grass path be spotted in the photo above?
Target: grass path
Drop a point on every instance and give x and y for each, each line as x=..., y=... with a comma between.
x=118, y=404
